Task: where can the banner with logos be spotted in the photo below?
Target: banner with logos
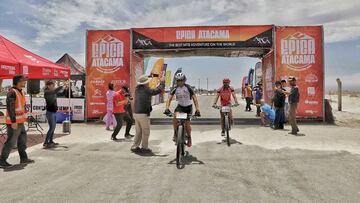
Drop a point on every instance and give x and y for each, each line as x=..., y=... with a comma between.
x=107, y=60
x=77, y=107
x=202, y=37
x=268, y=74
x=299, y=53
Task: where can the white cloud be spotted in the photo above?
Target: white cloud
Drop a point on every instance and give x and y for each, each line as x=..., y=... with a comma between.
x=57, y=18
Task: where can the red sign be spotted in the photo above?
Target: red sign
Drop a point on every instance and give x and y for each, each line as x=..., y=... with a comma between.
x=268, y=74
x=299, y=53
x=108, y=60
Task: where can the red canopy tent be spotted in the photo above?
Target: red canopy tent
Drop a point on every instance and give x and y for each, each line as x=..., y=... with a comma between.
x=17, y=60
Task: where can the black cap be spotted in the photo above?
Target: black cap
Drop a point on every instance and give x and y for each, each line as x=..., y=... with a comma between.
x=18, y=78
x=49, y=82
x=291, y=78
x=283, y=81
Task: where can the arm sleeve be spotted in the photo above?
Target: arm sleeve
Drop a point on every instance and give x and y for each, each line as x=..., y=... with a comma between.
x=58, y=89
x=172, y=91
x=191, y=91
x=158, y=89
x=10, y=105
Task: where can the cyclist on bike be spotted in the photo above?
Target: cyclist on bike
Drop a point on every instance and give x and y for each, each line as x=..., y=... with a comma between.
x=185, y=96
x=225, y=93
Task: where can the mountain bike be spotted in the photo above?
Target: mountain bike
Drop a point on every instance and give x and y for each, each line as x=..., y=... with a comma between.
x=227, y=124
x=181, y=137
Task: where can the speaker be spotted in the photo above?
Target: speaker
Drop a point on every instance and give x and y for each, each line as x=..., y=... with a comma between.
x=33, y=86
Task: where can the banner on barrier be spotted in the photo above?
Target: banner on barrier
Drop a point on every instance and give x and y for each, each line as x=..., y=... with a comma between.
x=299, y=53
x=202, y=37
x=107, y=60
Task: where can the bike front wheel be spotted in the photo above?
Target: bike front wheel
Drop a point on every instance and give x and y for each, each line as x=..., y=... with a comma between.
x=227, y=129
x=179, y=145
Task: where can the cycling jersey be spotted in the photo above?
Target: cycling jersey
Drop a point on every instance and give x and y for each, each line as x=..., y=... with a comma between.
x=225, y=95
x=183, y=95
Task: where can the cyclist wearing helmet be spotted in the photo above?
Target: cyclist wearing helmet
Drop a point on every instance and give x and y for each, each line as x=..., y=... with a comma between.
x=225, y=92
x=185, y=96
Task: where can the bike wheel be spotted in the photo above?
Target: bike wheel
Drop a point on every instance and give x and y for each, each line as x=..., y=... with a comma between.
x=179, y=145
x=227, y=127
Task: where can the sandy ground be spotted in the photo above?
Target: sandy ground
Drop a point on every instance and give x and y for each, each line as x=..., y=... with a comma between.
x=261, y=166
x=350, y=114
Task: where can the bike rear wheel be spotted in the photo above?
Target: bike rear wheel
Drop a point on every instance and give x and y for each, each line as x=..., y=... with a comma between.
x=180, y=145
x=227, y=128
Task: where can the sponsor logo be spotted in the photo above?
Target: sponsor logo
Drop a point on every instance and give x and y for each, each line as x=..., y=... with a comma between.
x=311, y=91
x=10, y=69
x=311, y=111
x=33, y=59
x=96, y=111
x=262, y=40
x=25, y=70
x=143, y=42
x=97, y=82
x=310, y=78
x=108, y=54
x=298, y=51
x=46, y=72
x=311, y=102
x=97, y=94
x=56, y=73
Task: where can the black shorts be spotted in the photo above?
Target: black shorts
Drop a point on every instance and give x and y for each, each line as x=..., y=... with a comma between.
x=184, y=109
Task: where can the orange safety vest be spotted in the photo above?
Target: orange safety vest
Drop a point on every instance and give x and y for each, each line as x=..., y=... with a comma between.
x=20, y=113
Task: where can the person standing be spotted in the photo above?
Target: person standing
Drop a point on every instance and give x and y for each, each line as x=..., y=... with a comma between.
x=294, y=98
x=285, y=89
x=119, y=102
x=279, y=104
x=15, y=119
x=143, y=94
x=50, y=95
x=109, y=117
x=128, y=109
x=258, y=97
x=248, y=97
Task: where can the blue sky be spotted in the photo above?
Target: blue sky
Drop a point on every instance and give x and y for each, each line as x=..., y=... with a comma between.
x=54, y=27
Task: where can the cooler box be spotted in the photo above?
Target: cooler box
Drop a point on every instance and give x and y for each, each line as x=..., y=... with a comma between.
x=62, y=116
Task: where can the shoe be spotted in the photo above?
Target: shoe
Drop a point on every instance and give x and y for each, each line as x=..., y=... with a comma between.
x=292, y=133
x=136, y=149
x=54, y=143
x=4, y=164
x=145, y=151
x=114, y=138
x=129, y=135
x=223, y=133
x=26, y=161
x=189, y=143
x=107, y=129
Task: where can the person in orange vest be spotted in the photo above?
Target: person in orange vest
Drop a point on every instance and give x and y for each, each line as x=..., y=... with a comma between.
x=15, y=118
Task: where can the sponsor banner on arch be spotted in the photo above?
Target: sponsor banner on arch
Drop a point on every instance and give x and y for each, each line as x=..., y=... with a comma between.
x=299, y=53
x=202, y=37
x=107, y=60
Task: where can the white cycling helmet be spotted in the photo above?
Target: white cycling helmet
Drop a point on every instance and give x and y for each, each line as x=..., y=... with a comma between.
x=180, y=76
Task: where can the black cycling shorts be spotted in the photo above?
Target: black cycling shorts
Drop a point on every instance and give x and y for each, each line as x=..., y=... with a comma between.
x=184, y=109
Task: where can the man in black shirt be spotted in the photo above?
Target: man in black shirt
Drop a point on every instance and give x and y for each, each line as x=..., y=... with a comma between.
x=50, y=95
x=294, y=98
x=279, y=104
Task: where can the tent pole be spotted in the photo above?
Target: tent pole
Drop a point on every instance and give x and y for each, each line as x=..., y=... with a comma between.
x=69, y=99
